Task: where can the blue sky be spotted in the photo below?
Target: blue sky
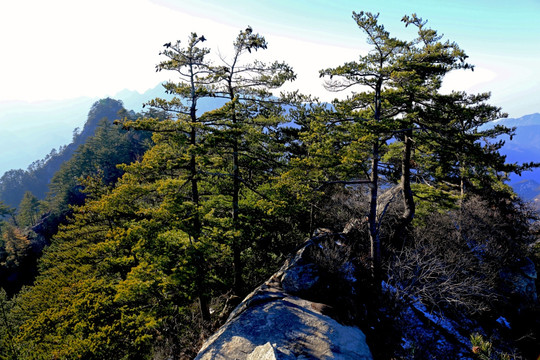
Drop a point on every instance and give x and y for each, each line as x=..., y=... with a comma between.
x=66, y=49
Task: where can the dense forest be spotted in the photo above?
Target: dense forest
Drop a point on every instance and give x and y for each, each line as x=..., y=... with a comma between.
x=130, y=242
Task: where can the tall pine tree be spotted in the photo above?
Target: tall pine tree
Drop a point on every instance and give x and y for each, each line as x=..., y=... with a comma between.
x=243, y=127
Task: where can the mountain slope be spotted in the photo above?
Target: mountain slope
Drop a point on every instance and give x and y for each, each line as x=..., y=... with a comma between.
x=14, y=183
x=524, y=147
x=31, y=130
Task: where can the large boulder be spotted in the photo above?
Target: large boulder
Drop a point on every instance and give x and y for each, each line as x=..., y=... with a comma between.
x=280, y=320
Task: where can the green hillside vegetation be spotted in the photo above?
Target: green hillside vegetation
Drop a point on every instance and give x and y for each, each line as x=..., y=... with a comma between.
x=99, y=148
x=14, y=183
x=149, y=240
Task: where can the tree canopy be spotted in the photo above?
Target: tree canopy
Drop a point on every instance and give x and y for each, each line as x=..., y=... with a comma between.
x=161, y=219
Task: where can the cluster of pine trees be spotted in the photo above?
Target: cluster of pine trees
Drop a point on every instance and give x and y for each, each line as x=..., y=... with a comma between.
x=148, y=250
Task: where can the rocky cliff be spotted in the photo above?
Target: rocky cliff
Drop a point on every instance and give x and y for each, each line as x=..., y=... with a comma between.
x=281, y=320
x=313, y=306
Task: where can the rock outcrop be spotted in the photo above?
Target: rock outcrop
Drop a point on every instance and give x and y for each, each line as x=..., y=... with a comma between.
x=280, y=320
x=521, y=282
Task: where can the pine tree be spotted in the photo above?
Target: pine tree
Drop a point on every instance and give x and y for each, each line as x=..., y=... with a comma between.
x=16, y=246
x=374, y=108
x=8, y=347
x=7, y=211
x=183, y=121
x=243, y=126
x=416, y=84
x=403, y=110
x=28, y=211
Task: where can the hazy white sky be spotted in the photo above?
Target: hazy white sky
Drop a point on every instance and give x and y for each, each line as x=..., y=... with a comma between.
x=59, y=49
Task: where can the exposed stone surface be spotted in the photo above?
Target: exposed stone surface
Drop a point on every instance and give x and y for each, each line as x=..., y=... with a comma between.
x=522, y=282
x=300, y=279
x=263, y=352
x=275, y=323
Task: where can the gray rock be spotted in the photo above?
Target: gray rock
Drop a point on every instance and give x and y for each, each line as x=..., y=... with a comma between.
x=294, y=328
x=301, y=279
x=263, y=352
x=273, y=324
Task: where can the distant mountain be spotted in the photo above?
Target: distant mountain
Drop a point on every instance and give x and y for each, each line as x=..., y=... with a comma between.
x=528, y=190
x=133, y=100
x=31, y=129
x=526, y=120
x=524, y=147
x=14, y=183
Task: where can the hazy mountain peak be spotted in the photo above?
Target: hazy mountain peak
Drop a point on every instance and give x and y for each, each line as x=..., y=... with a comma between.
x=526, y=120
x=31, y=129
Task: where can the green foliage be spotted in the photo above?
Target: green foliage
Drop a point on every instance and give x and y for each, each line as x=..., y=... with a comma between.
x=14, y=183
x=136, y=256
x=483, y=349
x=146, y=261
x=398, y=128
x=216, y=200
x=29, y=210
x=101, y=154
x=7, y=211
x=14, y=246
x=8, y=347
x=431, y=200
x=242, y=134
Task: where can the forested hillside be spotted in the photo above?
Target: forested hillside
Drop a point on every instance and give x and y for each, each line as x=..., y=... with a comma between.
x=98, y=148
x=152, y=241
x=36, y=179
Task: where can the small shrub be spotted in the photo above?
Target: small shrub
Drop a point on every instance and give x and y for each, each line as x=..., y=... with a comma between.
x=484, y=350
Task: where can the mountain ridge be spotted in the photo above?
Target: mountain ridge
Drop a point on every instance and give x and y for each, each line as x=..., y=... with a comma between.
x=30, y=135
x=32, y=129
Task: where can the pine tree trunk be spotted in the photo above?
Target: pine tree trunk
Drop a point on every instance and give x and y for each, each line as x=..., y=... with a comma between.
x=375, y=240
x=236, y=209
x=372, y=218
x=409, y=208
x=237, y=262
x=197, y=226
x=199, y=259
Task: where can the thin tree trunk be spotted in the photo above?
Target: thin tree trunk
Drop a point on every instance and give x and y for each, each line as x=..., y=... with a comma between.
x=409, y=208
x=461, y=185
x=197, y=226
x=197, y=230
x=372, y=218
x=237, y=261
x=236, y=209
x=375, y=240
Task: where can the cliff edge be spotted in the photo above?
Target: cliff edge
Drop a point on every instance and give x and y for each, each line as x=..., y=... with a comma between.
x=280, y=320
